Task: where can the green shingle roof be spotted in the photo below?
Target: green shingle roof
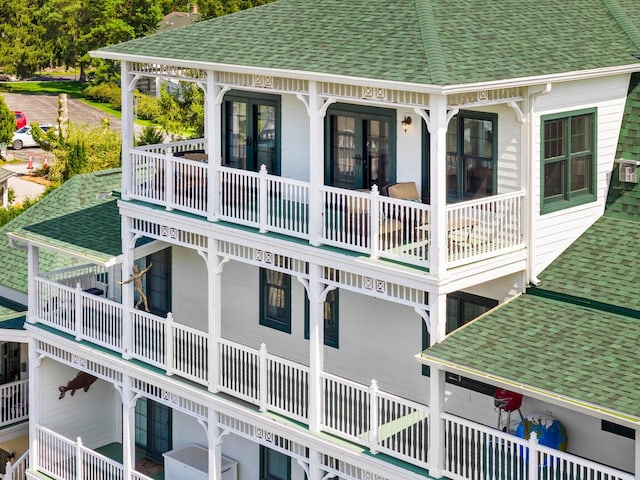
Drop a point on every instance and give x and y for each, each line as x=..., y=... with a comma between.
x=70, y=219
x=629, y=140
x=5, y=174
x=436, y=42
x=577, y=352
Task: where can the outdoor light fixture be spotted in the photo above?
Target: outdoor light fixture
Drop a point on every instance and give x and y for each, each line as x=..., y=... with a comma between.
x=406, y=121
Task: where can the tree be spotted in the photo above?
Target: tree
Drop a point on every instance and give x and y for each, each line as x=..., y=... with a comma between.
x=218, y=8
x=21, y=49
x=7, y=123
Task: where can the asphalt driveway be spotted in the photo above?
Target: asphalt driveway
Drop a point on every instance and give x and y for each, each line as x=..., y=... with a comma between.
x=44, y=109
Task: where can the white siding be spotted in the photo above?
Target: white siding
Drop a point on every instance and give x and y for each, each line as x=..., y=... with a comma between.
x=555, y=231
x=295, y=139
x=189, y=288
x=95, y=415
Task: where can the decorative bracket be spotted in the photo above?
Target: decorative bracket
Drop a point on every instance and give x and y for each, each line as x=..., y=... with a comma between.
x=519, y=114
x=424, y=314
x=131, y=85
x=220, y=96
x=427, y=119
x=133, y=240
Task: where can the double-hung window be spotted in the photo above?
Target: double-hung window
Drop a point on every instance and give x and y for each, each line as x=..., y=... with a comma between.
x=274, y=465
x=275, y=300
x=568, y=159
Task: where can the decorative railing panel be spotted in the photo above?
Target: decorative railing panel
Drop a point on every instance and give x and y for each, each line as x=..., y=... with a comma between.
x=15, y=402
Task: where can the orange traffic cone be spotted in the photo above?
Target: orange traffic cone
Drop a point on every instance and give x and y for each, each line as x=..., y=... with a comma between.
x=30, y=163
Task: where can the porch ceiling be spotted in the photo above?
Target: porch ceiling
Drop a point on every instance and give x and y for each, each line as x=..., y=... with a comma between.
x=433, y=42
x=567, y=354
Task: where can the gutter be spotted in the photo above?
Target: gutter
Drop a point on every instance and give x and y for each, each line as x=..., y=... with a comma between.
x=370, y=82
x=531, y=277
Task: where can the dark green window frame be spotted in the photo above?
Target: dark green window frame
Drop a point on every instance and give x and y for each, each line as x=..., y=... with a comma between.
x=275, y=300
x=331, y=314
x=568, y=143
x=274, y=465
x=473, y=161
x=462, y=308
x=253, y=100
x=361, y=113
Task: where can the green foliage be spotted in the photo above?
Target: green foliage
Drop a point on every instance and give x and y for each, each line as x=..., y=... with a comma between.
x=84, y=149
x=7, y=123
x=105, y=93
x=150, y=136
x=218, y=8
x=21, y=52
x=12, y=211
x=182, y=109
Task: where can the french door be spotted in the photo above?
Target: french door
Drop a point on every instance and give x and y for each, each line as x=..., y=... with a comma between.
x=251, y=126
x=360, y=151
x=153, y=428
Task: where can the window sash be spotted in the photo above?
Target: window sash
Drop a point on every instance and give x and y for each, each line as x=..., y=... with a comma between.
x=275, y=300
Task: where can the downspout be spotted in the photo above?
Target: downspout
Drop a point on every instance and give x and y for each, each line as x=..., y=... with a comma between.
x=533, y=279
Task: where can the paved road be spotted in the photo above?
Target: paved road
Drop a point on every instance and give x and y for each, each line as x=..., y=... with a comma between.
x=44, y=109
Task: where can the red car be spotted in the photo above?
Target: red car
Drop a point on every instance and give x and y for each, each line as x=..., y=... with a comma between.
x=21, y=120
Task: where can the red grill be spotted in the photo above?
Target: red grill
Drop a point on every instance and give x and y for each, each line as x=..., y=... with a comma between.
x=507, y=400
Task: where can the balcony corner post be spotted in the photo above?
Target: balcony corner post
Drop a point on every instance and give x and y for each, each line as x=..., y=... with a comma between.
x=373, y=417
x=374, y=222
x=262, y=199
x=169, y=354
x=79, y=459
x=169, y=179
x=534, y=459
x=263, y=378
x=79, y=320
x=436, y=430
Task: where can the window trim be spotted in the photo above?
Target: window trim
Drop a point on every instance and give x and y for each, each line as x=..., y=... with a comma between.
x=264, y=475
x=283, y=325
x=334, y=340
x=474, y=115
x=252, y=99
x=579, y=198
x=360, y=111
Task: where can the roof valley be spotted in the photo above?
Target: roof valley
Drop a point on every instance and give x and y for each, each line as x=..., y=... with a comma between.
x=624, y=21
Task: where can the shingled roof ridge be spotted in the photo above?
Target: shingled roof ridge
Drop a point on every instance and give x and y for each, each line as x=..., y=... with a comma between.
x=622, y=18
x=434, y=57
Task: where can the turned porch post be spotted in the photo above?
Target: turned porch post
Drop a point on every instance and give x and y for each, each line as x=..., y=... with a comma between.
x=316, y=342
x=128, y=82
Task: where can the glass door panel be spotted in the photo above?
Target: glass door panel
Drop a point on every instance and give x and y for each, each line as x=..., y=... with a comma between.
x=236, y=156
x=347, y=159
x=265, y=128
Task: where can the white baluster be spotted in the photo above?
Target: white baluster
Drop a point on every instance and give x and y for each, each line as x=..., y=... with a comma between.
x=262, y=199
x=263, y=378
x=373, y=416
x=169, y=347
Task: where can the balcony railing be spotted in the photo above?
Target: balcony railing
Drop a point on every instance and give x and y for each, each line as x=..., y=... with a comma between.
x=364, y=222
x=15, y=402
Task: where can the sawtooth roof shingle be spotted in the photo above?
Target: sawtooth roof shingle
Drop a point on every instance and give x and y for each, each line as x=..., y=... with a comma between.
x=70, y=219
x=433, y=42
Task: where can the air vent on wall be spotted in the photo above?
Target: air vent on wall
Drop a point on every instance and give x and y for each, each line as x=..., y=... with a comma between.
x=627, y=170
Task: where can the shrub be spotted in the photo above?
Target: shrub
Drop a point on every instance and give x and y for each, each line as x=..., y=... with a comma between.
x=148, y=107
x=105, y=93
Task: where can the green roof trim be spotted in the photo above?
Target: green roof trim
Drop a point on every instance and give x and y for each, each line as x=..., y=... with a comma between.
x=70, y=219
x=426, y=42
x=562, y=349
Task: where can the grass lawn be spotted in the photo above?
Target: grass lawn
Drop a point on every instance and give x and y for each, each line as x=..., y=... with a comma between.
x=72, y=88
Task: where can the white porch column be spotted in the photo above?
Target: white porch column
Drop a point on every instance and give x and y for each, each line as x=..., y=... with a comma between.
x=213, y=142
x=315, y=462
x=34, y=404
x=128, y=244
x=214, y=307
x=33, y=269
x=435, y=462
x=128, y=427
x=127, y=83
x=214, y=437
x=316, y=343
x=316, y=112
x=438, y=184
x=437, y=317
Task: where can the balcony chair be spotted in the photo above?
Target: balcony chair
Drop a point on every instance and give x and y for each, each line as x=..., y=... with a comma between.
x=389, y=229
x=416, y=224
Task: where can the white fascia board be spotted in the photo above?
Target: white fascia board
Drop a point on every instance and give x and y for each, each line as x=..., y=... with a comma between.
x=12, y=335
x=18, y=239
x=370, y=82
x=572, y=404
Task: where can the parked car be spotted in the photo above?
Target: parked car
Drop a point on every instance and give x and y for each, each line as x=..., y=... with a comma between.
x=24, y=138
x=21, y=120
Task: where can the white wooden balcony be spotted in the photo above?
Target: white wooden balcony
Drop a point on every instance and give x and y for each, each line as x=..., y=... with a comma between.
x=363, y=414
x=15, y=402
x=365, y=222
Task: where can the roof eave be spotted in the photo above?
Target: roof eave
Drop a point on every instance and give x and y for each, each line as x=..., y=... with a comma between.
x=16, y=239
x=369, y=82
x=570, y=403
